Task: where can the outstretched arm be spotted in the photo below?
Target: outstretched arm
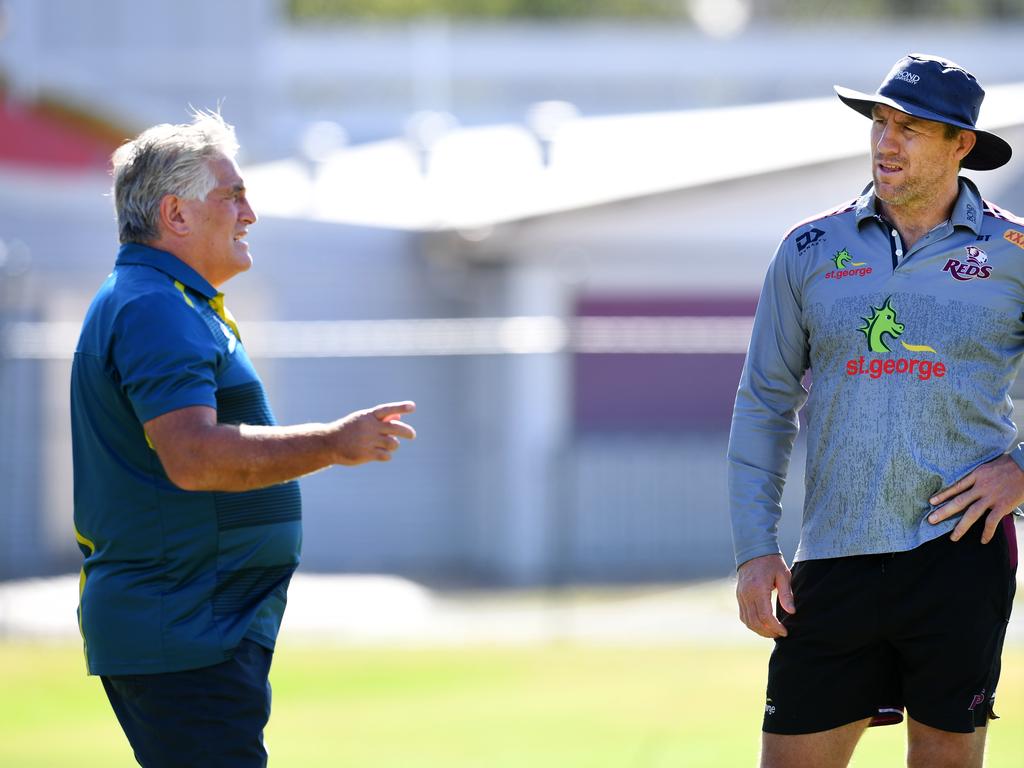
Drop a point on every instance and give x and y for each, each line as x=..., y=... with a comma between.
x=199, y=454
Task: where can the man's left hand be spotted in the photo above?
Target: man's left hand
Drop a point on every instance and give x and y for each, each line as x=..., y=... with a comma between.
x=996, y=488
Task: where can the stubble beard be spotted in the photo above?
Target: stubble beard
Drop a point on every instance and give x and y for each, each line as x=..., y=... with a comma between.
x=914, y=192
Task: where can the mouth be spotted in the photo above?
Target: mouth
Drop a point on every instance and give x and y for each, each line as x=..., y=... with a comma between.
x=239, y=235
x=886, y=168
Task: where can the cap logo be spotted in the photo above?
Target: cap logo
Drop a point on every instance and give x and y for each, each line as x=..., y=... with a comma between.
x=907, y=77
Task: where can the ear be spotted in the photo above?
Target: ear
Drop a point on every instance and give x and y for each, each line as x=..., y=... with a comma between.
x=965, y=143
x=173, y=216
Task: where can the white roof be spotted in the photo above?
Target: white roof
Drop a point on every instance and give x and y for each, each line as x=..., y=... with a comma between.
x=484, y=176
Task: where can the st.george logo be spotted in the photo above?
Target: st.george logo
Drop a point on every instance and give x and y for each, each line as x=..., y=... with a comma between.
x=881, y=323
x=847, y=267
x=881, y=327
x=843, y=257
x=974, y=266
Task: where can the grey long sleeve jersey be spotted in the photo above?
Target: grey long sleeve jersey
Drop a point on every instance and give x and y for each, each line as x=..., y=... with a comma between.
x=911, y=356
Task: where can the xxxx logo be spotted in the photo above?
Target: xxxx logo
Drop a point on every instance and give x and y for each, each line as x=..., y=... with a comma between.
x=847, y=267
x=1014, y=236
x=880, y=328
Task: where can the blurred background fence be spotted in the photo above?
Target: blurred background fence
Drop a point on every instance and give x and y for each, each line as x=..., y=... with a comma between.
x=550, y=234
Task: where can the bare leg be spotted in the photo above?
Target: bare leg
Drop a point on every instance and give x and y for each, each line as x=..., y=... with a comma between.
x=929, y=747
x=825, y=749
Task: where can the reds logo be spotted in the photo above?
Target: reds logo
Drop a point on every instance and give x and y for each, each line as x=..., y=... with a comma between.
x=976, y=265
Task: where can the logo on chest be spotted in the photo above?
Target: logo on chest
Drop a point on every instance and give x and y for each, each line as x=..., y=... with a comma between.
x=974, y=265
x=881, y=328
x=847, y=267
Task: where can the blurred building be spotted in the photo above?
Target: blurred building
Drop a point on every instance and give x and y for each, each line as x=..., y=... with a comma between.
x=139, y=63
x=567, y=298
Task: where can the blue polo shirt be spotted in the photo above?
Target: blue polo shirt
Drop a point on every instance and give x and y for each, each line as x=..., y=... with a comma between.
x=172, y=579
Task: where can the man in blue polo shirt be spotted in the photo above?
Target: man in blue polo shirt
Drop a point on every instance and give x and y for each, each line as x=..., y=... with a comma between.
x=187, y=508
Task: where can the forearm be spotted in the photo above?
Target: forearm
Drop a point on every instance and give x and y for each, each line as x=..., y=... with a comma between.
x=200, y=454
x=241, y=458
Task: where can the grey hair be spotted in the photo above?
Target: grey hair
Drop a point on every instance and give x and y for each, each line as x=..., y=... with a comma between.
x=166, y=160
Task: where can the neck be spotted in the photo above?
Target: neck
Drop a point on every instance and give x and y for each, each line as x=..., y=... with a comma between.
x=177, y=248
x=914, y=219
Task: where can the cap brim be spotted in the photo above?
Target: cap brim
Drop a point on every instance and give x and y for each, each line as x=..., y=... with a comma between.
x=989, y=151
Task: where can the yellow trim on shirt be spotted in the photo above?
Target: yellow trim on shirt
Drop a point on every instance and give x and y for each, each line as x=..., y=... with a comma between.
x=81, y=589
x=217, y=303
x=181, y=287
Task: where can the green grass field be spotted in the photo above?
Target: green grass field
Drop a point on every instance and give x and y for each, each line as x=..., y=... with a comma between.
x=564, y=706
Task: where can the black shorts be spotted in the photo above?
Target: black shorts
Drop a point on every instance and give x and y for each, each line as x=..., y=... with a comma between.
x=211, y=717
x=874, y=634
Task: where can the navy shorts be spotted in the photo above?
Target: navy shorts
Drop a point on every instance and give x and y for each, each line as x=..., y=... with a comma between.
x=874, y=634
x=211, y=717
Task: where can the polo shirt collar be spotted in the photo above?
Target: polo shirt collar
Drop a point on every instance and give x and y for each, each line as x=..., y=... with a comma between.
x=968, y=207
x=168, y=263
x=966, y=210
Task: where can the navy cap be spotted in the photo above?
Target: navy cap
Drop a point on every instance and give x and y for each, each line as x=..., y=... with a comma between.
x=933, y=88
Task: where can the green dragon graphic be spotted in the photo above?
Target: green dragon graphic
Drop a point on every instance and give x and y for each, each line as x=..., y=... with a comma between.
x=842, y=258
x=882, y=320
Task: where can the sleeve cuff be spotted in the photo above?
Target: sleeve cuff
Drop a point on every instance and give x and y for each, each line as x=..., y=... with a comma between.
x=1017, y=454
x=754, y=553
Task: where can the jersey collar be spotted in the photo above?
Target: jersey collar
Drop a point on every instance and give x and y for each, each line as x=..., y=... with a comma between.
x=168, y=263
x=966, y=210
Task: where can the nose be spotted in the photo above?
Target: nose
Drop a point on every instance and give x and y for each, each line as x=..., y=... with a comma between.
x=885, y=138
x=247, y=214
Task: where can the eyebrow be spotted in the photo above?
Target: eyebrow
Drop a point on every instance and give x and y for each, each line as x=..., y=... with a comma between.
x=907, y=119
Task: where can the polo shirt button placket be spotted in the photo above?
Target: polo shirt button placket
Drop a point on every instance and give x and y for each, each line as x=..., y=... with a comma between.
x=897, y=249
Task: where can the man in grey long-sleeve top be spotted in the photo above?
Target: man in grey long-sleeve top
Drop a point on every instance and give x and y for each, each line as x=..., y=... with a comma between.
x=904, y=305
